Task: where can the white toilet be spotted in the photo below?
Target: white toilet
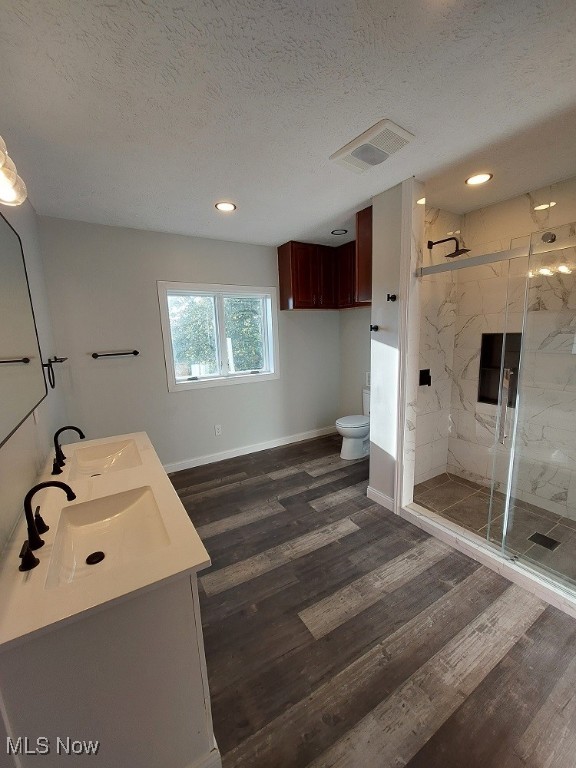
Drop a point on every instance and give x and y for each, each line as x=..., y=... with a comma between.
x=355, y=431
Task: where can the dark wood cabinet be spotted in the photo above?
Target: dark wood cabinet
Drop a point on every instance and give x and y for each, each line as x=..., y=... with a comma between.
x=323, y=277
x=363, y=293
x=328, y=259
x=306, y=271
x=307, y=276
x=346, y=274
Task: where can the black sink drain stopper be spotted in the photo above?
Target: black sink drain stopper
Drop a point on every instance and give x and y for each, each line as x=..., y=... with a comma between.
x=95, y=557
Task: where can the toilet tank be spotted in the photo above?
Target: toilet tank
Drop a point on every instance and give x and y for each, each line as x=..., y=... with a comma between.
x=366, y=401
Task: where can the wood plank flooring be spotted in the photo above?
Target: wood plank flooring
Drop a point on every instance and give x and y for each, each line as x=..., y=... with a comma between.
x=339, y=635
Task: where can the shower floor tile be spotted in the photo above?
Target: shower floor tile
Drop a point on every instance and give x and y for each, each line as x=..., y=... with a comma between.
x=473, y=512
x=442, y=496
x=523, y=524
x=563, y=558
x=468, y=504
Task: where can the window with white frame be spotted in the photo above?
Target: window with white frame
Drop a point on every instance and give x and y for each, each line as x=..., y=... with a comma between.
x=218, y=334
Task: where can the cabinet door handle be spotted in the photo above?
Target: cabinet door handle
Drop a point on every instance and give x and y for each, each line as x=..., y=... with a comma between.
x=374, y=327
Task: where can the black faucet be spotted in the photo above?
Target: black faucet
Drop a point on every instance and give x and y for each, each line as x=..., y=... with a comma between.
x=33, y=536
x=60, y=459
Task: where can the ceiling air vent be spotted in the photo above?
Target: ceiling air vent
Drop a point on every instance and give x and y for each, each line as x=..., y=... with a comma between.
x=372, y=147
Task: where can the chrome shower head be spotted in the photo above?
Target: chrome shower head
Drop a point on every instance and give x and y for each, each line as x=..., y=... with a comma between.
x=457, y=251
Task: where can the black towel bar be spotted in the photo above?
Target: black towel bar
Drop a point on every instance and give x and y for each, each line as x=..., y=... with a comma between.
x=16, y=360
x=96, y=355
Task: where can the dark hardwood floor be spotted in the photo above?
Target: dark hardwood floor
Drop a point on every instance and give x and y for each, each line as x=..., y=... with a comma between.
x=338, y=634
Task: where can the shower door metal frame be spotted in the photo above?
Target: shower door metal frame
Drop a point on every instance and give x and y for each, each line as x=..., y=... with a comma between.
x=474, y=261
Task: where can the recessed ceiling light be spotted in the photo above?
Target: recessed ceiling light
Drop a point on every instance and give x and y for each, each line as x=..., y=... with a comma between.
x=543, y=206
x=339, y=232
x=225, y=207
x=564, y=269
x=422, y=201
x=479, y=178
x=545, y=271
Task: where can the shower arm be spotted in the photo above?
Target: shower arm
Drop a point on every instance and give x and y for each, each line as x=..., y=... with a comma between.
x=446, y=240
x=457, y=250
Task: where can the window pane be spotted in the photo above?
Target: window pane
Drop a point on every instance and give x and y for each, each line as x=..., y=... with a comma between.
x=244, y=324
x=194, y=337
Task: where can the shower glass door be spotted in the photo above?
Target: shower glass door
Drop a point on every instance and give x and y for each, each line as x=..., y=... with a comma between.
x=536, y=453
x=507, y=358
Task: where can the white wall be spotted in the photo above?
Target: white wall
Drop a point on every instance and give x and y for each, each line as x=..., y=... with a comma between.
x=102, y=288
x=355, y=358
x=24, y=454
x=386, y=245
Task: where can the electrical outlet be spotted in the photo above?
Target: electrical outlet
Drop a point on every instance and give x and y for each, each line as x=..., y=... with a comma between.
x=218, y=430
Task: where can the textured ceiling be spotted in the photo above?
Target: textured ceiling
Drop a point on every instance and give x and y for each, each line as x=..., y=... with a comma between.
x=144, y=114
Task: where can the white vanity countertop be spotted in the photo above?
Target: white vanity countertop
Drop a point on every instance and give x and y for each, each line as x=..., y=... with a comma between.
x=37, y=601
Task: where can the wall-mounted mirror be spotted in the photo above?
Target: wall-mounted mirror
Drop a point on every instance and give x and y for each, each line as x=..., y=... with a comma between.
x=22, y=384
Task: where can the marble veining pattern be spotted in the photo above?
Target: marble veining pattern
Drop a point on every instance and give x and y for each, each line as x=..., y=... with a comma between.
x=436, y=353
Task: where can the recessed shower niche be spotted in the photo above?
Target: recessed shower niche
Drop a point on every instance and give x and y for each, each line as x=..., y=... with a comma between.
x=492, y=347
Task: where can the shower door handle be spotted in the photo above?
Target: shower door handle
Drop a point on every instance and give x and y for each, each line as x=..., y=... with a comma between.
x=507, y=375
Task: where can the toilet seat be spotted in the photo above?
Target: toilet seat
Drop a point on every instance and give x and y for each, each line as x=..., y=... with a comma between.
x=350, y=422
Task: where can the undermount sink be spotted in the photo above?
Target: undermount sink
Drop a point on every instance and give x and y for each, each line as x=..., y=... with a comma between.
x=100, y=459
x=123, y=526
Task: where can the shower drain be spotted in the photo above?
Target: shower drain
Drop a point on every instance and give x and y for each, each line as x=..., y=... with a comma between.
x=544, y=541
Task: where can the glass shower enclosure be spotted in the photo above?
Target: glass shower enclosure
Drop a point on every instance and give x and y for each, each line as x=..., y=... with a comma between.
x=496, y=430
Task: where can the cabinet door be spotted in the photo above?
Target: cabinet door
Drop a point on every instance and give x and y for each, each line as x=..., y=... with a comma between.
x=285, y=277
x=328, y=260
x=364, y=256
x=346, y=266
x=305, y=275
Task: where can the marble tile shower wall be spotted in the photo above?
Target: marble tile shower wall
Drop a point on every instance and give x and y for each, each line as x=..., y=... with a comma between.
x=436, y=350
x=455, y=432
x=545, y=450
x=545, y=461
x=501, y=226
x=466, y=304
x=480, y=307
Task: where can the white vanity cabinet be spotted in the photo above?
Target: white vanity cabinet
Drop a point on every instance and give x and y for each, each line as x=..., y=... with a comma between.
x=128, y=673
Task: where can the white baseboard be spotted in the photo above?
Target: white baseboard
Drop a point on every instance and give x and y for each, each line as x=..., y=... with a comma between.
x=210, y=458
x=380, y=498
